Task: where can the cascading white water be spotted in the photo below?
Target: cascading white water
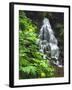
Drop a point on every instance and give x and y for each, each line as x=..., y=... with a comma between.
x=48, y=42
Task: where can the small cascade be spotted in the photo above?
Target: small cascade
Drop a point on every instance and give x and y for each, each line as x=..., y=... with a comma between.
x=48, y=43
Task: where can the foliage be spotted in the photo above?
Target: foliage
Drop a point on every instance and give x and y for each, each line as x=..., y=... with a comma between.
x=31, y=63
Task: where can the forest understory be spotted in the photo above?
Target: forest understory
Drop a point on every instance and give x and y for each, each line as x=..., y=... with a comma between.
x=31, y=62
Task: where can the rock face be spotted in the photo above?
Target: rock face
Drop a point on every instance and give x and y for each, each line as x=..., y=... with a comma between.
x=59, y=71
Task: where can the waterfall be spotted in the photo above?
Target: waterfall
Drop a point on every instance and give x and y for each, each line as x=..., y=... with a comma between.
x=48, y=43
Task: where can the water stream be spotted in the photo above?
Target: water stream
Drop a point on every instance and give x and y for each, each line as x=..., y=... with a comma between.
x=48, y=43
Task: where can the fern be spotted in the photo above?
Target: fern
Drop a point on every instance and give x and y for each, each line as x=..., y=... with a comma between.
x=31, y=63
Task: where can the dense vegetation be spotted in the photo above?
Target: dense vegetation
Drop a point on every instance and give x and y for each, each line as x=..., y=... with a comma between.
x=31, y=63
